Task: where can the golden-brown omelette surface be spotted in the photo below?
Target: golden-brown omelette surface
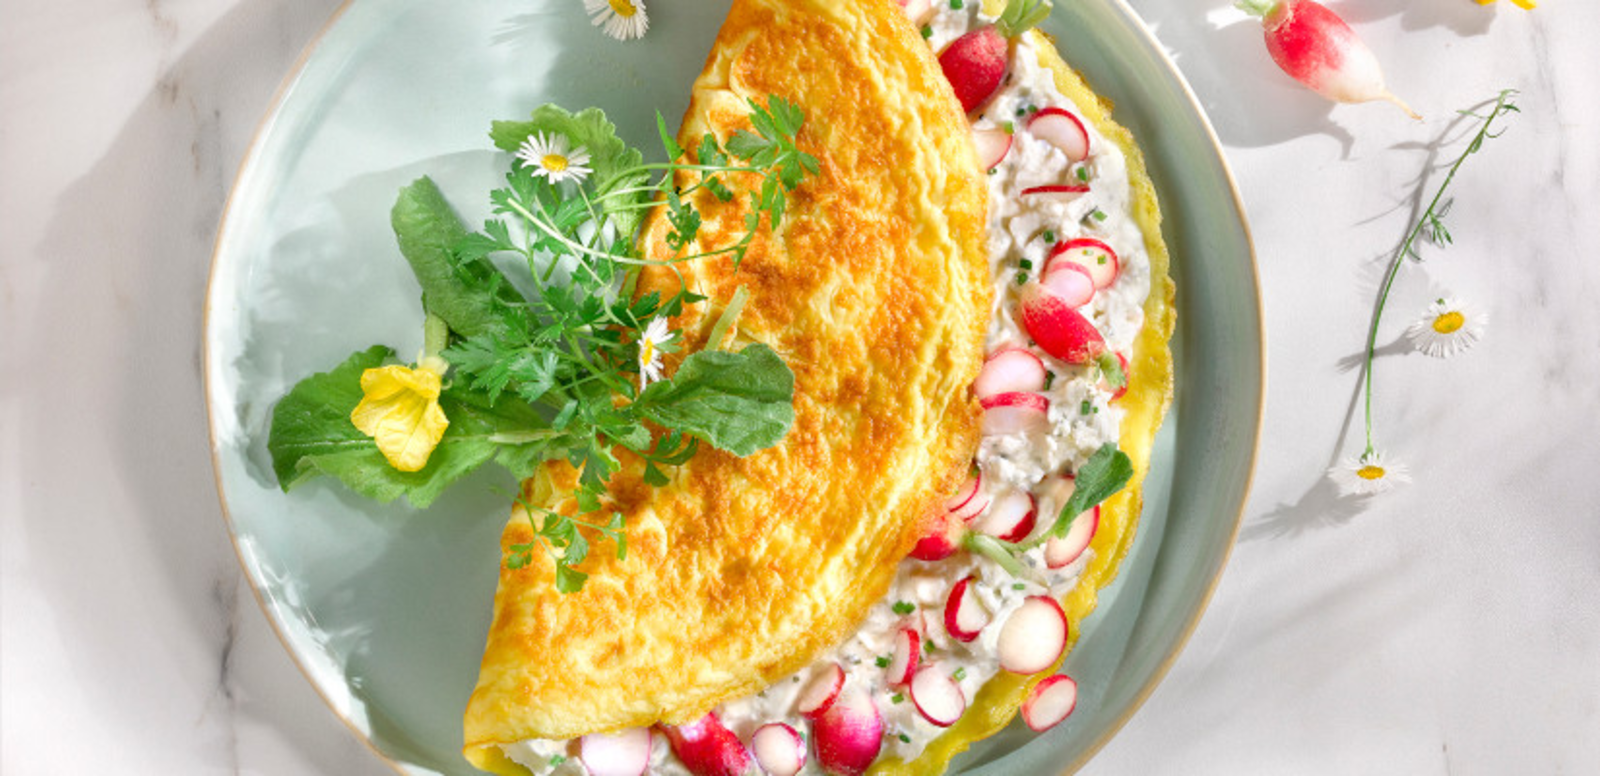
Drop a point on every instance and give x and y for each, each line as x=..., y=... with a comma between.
x=875, y=291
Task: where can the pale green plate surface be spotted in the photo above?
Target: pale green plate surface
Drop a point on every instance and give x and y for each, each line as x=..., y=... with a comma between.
x=385, y=607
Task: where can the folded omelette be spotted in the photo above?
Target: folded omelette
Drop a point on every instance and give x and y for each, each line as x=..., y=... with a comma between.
x=875, y=291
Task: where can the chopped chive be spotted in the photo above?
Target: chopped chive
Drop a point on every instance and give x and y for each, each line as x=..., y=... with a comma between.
x=1026, y=263
x=882, y=662
x=1083, y=409
x=557, y=760
x=1019, y=586
x=897, y=698
x=1022, y=277
x=1049, y=236
x=994, y=170
x=903, y=607
x=1049, y=377
x=905, y=738
x=1099, y=215
x=927, y=31
x=1009, y=126
x=955, y=5
x=959, y=674
x=1083, y=174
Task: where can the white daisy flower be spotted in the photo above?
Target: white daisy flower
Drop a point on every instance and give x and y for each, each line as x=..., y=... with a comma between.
x=1449, y=327
x=553, y=157
x=651, y=345
x=1368, y=475
x=621, y=19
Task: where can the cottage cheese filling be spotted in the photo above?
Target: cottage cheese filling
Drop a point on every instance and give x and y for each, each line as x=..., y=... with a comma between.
x=1022, y=231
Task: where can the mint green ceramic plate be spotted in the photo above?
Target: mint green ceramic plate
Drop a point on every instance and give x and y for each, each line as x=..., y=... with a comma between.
x=385, y=608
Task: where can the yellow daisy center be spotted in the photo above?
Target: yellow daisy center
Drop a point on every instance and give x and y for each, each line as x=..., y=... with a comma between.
x=554, y=162
x=1371, y=472
x=623, y=8
x=647, y=350
x=1449, y=323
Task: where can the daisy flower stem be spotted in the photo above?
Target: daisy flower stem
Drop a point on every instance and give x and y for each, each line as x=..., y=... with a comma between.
x=1502, y=104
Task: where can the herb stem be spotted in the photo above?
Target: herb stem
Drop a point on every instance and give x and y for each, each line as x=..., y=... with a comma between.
x=1502, y=104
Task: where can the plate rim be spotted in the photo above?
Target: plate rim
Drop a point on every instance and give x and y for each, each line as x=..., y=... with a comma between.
x=1190, y=101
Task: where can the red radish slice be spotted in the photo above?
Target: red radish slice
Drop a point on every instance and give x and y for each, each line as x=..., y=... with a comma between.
x=1061, y=551
x=1011, y=518
x=917, y=11
x=1057, y=193
x=1034, y=636
x=1094, y=256
x=849, y=735
x=707, y=748
x=993, y=145
x=1050, y=702
x=1071, y=282
x=624, y=754
x=967, y=491
x=973, y=508
x=1015, y=412
x=942, y=539
x=822, y=692
x=1008, y=371
x=937, y=696
x=1057, y=328
x=779, y=748
x=1121, y=390
x=964, y=615
x=1063, y=130
x=907, y=655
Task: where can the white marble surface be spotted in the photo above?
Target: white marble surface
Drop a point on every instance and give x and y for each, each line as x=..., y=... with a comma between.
x=1448, y=627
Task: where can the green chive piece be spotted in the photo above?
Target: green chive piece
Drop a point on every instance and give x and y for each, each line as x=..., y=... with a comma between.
x=927, y=32
x=905, y=738
x=959, y=674
x=1026, y=263
x=955, y=5
x=897, y=698
x=1083, y=174
x=903, y=607
x=1022, y=277
x=1049, y=236
x=882, y=662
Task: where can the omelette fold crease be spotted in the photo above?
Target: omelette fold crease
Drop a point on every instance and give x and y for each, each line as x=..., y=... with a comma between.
x=876, y=292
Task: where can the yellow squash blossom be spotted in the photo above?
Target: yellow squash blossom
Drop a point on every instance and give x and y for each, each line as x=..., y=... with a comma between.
x=400, y=410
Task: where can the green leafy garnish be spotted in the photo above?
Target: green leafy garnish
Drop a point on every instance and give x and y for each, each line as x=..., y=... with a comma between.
x=571, y=369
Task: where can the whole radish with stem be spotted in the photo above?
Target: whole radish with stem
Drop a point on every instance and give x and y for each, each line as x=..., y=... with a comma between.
x=975, y=63
x=1315, y=47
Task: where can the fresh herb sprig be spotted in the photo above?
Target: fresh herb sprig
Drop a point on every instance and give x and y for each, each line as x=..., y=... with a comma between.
x=1106, y=472
x=1430, y=225
x=562, y=366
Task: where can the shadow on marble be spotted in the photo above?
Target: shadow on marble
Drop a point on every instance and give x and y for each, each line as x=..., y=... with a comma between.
x=155, y=198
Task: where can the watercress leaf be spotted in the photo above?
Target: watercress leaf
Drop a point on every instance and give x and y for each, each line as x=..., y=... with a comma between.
x=471, y=296
x=740, y=402
x=1105, y=473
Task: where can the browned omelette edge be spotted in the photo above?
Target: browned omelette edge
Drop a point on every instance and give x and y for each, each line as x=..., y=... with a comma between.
x=1150, y=388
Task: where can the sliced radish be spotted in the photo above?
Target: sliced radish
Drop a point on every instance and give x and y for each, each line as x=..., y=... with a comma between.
x=849, y=735
x=1094, y=256
x=707, y=748
x=822, y=692
x=1057, y=328
x=1061, y=551
x=937, y=696
x=1063, y=130
x=1071, y=282
x=975, y=65
x=1008, y=371
x=1034, y=636
x=942, y=539
x=907, y=655
x=1011, y=518
x=1121, y=390
x=972, y=509
x=993, y=145
x=779, y=748
x=967, y=491
x=964, y=615
x=624, y=754
x=917, y=11
x=1015, y=412
x=1049, y=702
x=1057, y=193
